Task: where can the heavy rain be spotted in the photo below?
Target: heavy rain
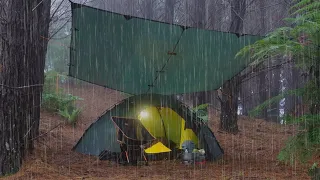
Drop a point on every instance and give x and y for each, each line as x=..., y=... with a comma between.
x=160, y=89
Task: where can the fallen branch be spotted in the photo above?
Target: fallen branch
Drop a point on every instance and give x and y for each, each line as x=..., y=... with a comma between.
x=46, y=132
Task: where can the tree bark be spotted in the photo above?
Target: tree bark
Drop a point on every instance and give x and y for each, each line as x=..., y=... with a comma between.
x=230, y=89
x=148, y=9
x=200, y=13
x=229, y=105
x=274, y=89
x=22, y=58
x=263, y=74
x=169, y=11
x=238, y=10
x=263, y=93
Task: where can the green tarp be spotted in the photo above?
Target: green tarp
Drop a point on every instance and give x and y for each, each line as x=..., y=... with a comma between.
x=139, y=56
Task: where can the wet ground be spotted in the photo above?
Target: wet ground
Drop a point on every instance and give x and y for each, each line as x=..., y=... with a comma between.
x=251, y=154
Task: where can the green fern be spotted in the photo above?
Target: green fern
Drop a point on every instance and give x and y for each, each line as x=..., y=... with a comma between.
x=301, y=42
x=202, y=111
x=287, y=40
x=257, y=110
x=314, y=171
x=306, y=7
x=306, y=143
x=71, y=114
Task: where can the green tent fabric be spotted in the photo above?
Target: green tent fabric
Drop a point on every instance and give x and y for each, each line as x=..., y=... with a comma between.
x=103, y=138
x=138, y=56
x=100, y=136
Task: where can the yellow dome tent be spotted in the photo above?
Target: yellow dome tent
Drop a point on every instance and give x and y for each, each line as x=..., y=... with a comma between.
x=160, y=123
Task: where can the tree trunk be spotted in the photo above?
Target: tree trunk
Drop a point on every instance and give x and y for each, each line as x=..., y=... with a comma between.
x=148, y=9
x=230, y=89
x=200, y=13
x=314, y=75
x=238, y=10
x=22, y=58
x=169, y=11
x=263, y=74
x=263, y=92
x=229, y=106
x=274, y=90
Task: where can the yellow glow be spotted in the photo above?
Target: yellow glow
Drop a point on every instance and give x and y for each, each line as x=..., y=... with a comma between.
x=144, y=114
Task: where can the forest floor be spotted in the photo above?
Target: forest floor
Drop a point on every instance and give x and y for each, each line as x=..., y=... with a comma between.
x=250, y=154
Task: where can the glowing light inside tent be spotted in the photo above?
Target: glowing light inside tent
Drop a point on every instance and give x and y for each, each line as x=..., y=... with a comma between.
x=144, y=114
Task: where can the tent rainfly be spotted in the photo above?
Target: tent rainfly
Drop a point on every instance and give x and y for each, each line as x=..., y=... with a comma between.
x=138, y=56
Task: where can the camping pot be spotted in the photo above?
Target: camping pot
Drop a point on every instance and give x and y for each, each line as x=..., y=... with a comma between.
x=186, y=157
x=188, y=145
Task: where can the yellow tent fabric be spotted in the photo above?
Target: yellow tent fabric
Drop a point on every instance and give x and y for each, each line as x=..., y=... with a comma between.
x=172, y=122
x=152, y=122
x=187, y=134
x=157, y=148
x=164, y=122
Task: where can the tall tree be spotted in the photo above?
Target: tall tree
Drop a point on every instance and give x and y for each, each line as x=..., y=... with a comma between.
x=230, y=89
x=22, y=59
x=229, y=105
x=146, y=8
x=238, y=10
x=263, y=74
x=169, y=11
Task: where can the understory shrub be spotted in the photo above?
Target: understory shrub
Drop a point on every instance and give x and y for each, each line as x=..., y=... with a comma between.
x=57, y=101
x=306, y=143
x=314, y=172
x=71, y=114
x=202, y=112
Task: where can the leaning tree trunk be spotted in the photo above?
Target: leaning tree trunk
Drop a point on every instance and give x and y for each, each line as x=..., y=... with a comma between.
x=22, y=57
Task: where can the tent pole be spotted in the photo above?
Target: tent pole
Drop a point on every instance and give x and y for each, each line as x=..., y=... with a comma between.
x=164, y=128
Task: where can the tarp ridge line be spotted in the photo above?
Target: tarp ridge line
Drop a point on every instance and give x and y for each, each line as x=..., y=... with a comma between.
x=184, y=27
x=166, y=63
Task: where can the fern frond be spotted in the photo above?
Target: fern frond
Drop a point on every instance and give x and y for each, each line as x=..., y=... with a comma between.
x=313, y=16
x=296, y=92
x=308, y=27
x=310, y=7
x=300, y=4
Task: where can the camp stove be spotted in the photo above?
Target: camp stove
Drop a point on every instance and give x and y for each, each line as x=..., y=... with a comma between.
x=191, y=155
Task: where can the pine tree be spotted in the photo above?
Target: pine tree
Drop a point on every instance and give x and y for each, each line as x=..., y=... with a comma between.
x=299, y=41
x=22, y=58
